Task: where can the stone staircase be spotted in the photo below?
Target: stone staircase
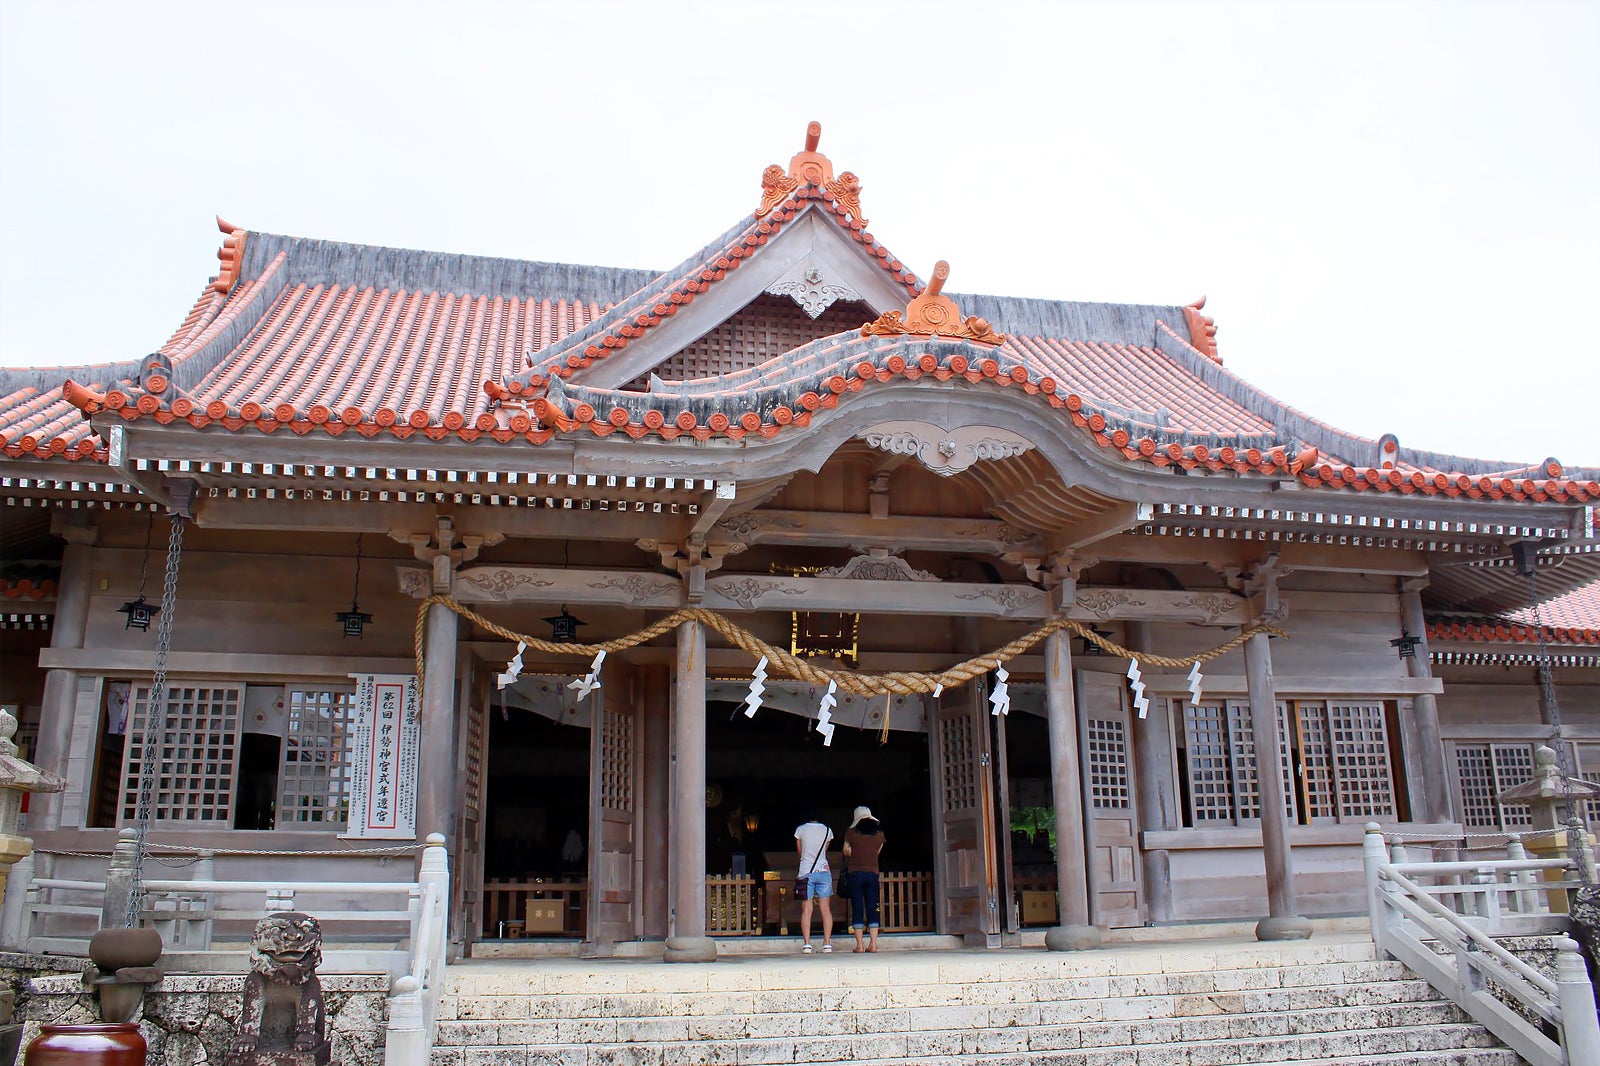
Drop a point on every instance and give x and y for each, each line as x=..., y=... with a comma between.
x=1204, y=1003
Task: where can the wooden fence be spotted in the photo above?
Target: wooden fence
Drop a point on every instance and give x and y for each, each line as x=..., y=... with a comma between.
x=734, y=906
x=505, y=908
x=905, y=902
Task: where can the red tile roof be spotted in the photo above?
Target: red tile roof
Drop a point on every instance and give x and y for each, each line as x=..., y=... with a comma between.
x=332, y=339
x=1570, y=619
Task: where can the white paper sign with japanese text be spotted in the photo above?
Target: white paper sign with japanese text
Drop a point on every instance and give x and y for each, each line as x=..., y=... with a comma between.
x=383, y=757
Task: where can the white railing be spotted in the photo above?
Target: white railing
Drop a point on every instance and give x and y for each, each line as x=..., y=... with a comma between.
x=414, y=1003
x=1441, y=918
x=49, y=914
x=60, y=915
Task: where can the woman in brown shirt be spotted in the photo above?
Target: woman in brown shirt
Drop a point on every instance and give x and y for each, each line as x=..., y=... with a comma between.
x=863, y=842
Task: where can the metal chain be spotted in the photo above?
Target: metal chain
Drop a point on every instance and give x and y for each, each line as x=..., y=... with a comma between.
x=144, y=560
x=155, y=723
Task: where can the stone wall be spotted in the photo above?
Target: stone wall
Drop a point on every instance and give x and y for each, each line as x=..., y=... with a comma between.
x=190, y=1019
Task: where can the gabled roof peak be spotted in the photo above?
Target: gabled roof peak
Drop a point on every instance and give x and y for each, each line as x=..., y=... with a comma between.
x=810, y=167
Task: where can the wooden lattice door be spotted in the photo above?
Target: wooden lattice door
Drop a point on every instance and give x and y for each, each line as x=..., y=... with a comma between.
x=613, y=810
x=472, y=773
x=1111, y=819
x=964, y=805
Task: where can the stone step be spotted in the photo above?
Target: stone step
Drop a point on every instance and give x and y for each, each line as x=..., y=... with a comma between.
x=1313, y=964
x=1378, y=1046
x=934, y=1031
x=1218, y=1005
x=1008, y=1003
x=955, y=988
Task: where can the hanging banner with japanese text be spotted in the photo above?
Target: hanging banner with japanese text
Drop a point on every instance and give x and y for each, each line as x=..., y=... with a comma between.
x=383, y=757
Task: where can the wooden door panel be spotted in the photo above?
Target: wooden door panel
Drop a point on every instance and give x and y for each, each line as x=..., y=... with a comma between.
x=472, y=775
x=613, y=810
x=1116, y=896
x=964, y=803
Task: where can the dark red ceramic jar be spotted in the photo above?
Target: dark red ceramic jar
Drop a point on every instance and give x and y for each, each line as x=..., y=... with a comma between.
x=105, y=1044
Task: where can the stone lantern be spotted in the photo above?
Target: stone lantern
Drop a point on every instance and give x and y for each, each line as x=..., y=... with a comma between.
x=16, y=777
x=1545, y=793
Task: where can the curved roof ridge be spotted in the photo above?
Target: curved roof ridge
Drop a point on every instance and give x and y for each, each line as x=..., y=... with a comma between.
x=380, y=267
x=1353, y=447
x=622, y=307
x=1070, y=320
x=208, y=348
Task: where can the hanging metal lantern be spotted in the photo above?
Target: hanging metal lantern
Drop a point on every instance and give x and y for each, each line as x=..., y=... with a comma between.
x=1406, y=644
x=353, y=620
x=564, y=627
x=140, y=612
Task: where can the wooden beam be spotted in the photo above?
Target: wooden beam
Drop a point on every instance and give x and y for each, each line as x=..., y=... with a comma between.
x=766, y=592
x=1108, y=523
x=1177, y=686
x=712, y=507
x=1325, y=558
x=242, y=664
x=374, y=516
x=983, y=536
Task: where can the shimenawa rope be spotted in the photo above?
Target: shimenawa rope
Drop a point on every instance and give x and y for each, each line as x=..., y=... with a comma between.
x=898, y=682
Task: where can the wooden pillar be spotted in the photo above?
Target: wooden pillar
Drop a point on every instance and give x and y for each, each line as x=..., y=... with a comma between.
x=655, y=794
x=1072, y=870
x=60, y=703
x=1156, y=789
x=689, y=942
x=436, y=761
x=1425, y=710
x=1281, y=923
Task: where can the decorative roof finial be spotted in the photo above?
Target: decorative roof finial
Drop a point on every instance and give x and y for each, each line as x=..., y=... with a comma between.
x=231, y=254
x=1202, y=331
x=810, y=167
x=933, y=314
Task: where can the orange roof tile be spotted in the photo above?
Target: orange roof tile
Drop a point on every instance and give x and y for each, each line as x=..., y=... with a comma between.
x=1570, y=619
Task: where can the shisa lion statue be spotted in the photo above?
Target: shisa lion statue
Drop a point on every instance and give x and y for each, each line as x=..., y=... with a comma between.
x=284, y=1021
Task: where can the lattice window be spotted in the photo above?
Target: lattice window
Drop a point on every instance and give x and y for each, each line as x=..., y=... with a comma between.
x=1316, y=760
x=1334, y=760
x=1108, y=765
x=1246, y=782
x=1361, y=760
x=1475, y=778
x=960, y=776
x=1513, y=764
x=477, y=727
x=1483, y=771
x=197, y=764
x=767, y=327
x=1208, y=762
x=314, y=779
x=616, y=762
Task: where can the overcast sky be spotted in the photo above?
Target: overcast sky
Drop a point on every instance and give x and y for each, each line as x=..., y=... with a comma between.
x=1394, y=209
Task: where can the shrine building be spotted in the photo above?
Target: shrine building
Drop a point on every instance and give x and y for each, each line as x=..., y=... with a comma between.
x=848, y=537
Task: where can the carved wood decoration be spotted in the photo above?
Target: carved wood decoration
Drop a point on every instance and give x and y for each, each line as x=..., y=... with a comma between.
x=807, y=286
x=895, y=588
x=933, y=315
x=877, y=565
x=945, y=451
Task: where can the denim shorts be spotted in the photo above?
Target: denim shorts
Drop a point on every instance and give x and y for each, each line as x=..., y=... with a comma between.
x=819, y=884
